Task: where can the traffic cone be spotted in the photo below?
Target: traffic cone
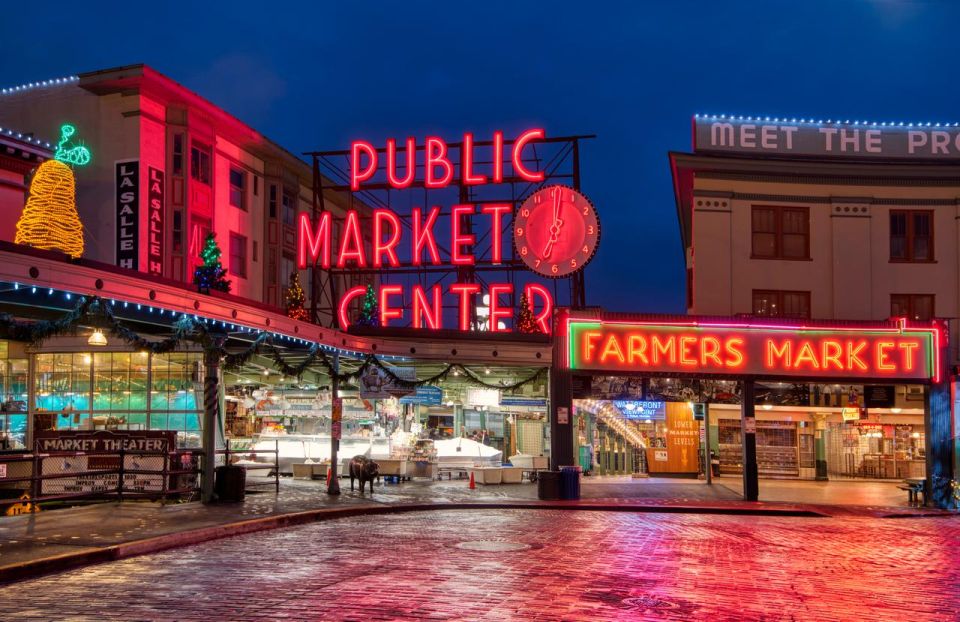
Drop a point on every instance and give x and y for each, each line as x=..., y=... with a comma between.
x=473, y=484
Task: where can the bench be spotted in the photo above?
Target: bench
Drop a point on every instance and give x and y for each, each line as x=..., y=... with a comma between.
x=914, y=492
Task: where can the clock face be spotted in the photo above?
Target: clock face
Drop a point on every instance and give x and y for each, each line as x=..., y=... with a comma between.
x=556, y=231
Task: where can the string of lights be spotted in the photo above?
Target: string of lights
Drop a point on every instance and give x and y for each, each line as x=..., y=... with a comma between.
x=42, y=84
x=101, y=313
x=811, y=121
x=28, y=139
x=609, y=415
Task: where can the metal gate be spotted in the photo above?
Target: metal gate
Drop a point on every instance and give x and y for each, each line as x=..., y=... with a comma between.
x=862, y=450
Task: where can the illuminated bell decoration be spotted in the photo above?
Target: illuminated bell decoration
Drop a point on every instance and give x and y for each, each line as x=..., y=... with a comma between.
x=97, y=338
x=50, y=220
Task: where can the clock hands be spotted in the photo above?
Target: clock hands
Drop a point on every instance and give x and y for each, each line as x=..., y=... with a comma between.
x=555, y=227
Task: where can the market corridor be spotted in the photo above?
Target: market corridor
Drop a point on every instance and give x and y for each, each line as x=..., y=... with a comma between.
x=528, y=564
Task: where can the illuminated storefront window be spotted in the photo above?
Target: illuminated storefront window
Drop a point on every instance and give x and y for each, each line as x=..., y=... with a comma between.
x=13, y=407
x=176, y=399
x=119, y=390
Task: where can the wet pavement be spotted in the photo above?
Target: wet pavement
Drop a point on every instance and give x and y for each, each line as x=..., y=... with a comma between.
x=83, y=529
x=516, y=564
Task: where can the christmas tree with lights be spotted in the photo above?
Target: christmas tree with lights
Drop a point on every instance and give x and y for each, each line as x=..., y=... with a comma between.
x=295, y=298
x=526, y=323
x=370, y=311
x=211, y=275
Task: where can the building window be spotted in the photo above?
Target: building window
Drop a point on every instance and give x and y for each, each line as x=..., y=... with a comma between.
x=177, y=231
x=256, y=186
x=273, y=201
x=289, y=208
x=779, y=303
x=199, y=228
x=238, y=182
x=286, y=267
x=13, y=387
x=912, y=306
x=200, y=163
x=178, y=155
x=238, y=255
x=272, y=268
x=911, y=235
x=781, y=232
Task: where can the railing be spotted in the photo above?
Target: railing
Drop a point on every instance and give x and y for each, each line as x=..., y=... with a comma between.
x=70, y=476
x=232, y=455
x=113, y=475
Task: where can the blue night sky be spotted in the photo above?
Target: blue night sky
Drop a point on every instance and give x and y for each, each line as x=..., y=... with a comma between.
x=322, y=73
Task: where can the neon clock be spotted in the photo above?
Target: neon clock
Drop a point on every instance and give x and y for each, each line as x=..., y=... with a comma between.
x=556, y=231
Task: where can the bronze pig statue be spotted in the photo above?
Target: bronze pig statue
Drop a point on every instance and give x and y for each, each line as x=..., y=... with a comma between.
x=364, y=469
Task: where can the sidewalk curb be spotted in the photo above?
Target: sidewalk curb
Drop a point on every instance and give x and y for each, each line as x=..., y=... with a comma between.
x=66, y=561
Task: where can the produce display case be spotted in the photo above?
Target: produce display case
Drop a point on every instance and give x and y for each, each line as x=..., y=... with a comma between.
x=530, y=463
x=487, y=475
x=512, y=475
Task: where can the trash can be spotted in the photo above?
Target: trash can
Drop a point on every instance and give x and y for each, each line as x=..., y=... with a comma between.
x=230, y=483
x=570, y=482
x=548, y=485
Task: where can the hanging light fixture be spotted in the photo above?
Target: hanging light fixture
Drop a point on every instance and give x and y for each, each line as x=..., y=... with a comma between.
x=97, y=338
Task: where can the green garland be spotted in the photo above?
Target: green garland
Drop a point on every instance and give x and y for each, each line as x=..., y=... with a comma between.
x=36, y=332
x=373, y=360
x=185, y=329
x=263, y=341
x=99, y=313
x=316, y=355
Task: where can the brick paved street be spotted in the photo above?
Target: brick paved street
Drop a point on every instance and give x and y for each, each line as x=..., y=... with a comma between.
x=541, y=565
x=85, y=530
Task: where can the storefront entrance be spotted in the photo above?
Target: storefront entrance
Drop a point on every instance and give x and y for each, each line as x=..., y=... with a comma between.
x=466, y=414
x=637, y=437
x=668, y=396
